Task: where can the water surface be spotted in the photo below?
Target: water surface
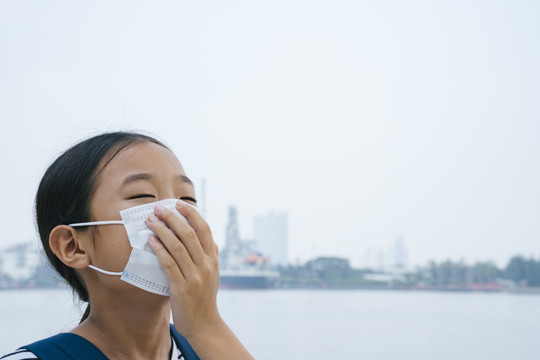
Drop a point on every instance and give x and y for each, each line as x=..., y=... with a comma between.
x=330, y=324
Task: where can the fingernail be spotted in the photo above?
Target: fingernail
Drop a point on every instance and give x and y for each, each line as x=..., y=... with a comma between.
x=159, y=208
x=180, y=203
x=152, y=239
x=153, y=218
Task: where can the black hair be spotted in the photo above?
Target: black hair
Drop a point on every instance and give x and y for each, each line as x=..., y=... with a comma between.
x=67, y=187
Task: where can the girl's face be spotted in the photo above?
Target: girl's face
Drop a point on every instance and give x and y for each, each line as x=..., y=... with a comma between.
x=139, y=174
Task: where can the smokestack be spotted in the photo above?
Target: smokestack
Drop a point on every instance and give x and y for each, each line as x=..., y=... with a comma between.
x=203, y=197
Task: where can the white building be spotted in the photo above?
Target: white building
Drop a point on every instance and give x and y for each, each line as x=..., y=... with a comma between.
x=400, y=252
x=20, y=261
x=271, y=235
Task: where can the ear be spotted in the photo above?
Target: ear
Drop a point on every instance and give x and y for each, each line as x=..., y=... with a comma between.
x=68, y=246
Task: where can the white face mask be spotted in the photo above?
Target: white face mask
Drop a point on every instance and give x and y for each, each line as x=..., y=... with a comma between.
x=143, y=268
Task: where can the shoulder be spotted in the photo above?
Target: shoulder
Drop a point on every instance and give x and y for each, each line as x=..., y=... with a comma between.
x=21, y=354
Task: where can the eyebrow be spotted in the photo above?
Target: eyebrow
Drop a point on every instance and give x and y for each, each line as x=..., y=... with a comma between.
x=185, y=179
x=149, y=177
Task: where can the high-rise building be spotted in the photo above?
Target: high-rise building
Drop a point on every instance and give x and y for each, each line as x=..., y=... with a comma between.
x=400, y=252
x=241, y=264
x=271, y=235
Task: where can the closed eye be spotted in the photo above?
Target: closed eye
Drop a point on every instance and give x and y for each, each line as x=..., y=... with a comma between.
x=188, y=198
x=141, y=196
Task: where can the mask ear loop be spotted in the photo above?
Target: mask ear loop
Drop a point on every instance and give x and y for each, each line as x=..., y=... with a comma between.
x=105, y=271
x=108, y=222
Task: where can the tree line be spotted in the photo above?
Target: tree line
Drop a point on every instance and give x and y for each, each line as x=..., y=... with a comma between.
x=337, y=272
x=520, y=270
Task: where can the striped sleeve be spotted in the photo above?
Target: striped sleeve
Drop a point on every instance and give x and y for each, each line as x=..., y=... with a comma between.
x=21, y=354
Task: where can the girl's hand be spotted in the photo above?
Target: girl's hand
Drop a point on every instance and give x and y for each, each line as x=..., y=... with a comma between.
x=189, y=258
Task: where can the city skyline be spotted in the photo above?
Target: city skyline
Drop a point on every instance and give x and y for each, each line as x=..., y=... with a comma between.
x=20, y=261
x=385, y=258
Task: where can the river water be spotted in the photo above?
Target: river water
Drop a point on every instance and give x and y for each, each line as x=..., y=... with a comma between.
x=330, y=324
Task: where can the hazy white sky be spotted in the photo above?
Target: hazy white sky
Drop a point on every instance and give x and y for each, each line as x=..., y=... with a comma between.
x=360, y=119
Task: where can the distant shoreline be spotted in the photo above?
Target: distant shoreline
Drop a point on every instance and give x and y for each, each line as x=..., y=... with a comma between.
x=521, y=290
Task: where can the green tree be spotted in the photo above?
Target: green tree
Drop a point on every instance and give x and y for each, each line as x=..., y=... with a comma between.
x=483, y=272
x=520, y=269
x=516, y=269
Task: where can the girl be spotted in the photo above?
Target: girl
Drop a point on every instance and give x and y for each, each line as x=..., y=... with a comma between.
x=91, y=207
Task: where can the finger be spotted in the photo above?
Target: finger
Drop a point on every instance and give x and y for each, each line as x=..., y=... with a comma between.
x=173, y=246
x=183, y=231
x=201, y=227
x=171, y=269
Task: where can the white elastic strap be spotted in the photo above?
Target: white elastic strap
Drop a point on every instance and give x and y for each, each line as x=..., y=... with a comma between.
x=110, y=222
x=105, y=271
